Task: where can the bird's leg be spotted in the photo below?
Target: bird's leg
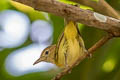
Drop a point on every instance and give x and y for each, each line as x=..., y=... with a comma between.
x=89, y=55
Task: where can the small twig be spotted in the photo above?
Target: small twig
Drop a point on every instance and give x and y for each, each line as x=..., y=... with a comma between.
x=90, y=51
x=99, y=7
x=109, y=10
x=100, y=43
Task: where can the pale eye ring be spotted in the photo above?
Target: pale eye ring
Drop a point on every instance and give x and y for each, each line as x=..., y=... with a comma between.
x=46, y=52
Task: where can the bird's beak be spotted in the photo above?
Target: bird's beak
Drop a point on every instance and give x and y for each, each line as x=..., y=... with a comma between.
x=37, y=61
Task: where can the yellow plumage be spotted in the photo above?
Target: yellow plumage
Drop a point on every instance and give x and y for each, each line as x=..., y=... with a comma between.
x=69, y=48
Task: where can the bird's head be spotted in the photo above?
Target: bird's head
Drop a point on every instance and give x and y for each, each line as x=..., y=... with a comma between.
x=48, y=55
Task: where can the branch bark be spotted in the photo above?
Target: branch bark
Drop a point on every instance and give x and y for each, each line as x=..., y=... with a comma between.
x=76, y=14
x=101, y=6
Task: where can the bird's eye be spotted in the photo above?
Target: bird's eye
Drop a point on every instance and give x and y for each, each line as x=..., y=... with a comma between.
x=46, y=52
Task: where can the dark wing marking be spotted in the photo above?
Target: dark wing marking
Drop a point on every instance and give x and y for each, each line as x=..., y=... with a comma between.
x=76, y=25
x=79, y=38
x=57, y=46
x=65, y=45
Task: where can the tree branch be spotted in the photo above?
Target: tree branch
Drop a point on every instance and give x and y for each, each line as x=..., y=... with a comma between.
x=101, y=6
x=90, y=18
x=76, y=14
x=100, y=43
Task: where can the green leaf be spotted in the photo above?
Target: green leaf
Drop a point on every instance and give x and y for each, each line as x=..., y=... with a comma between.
x=4, y=4
x=33, y=14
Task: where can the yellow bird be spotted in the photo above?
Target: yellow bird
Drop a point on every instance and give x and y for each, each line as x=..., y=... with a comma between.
x=69, y=48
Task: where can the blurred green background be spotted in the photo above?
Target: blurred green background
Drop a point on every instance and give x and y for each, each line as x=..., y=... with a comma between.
x=104, y=65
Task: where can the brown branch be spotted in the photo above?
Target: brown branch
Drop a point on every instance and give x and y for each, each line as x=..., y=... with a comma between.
x=76, y=14
x=101, y=6
x=100, y=43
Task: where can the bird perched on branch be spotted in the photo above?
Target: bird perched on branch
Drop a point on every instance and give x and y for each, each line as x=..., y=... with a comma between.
x=69, y=48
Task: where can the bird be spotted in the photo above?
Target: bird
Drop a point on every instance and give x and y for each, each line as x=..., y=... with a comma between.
x=69, y=48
